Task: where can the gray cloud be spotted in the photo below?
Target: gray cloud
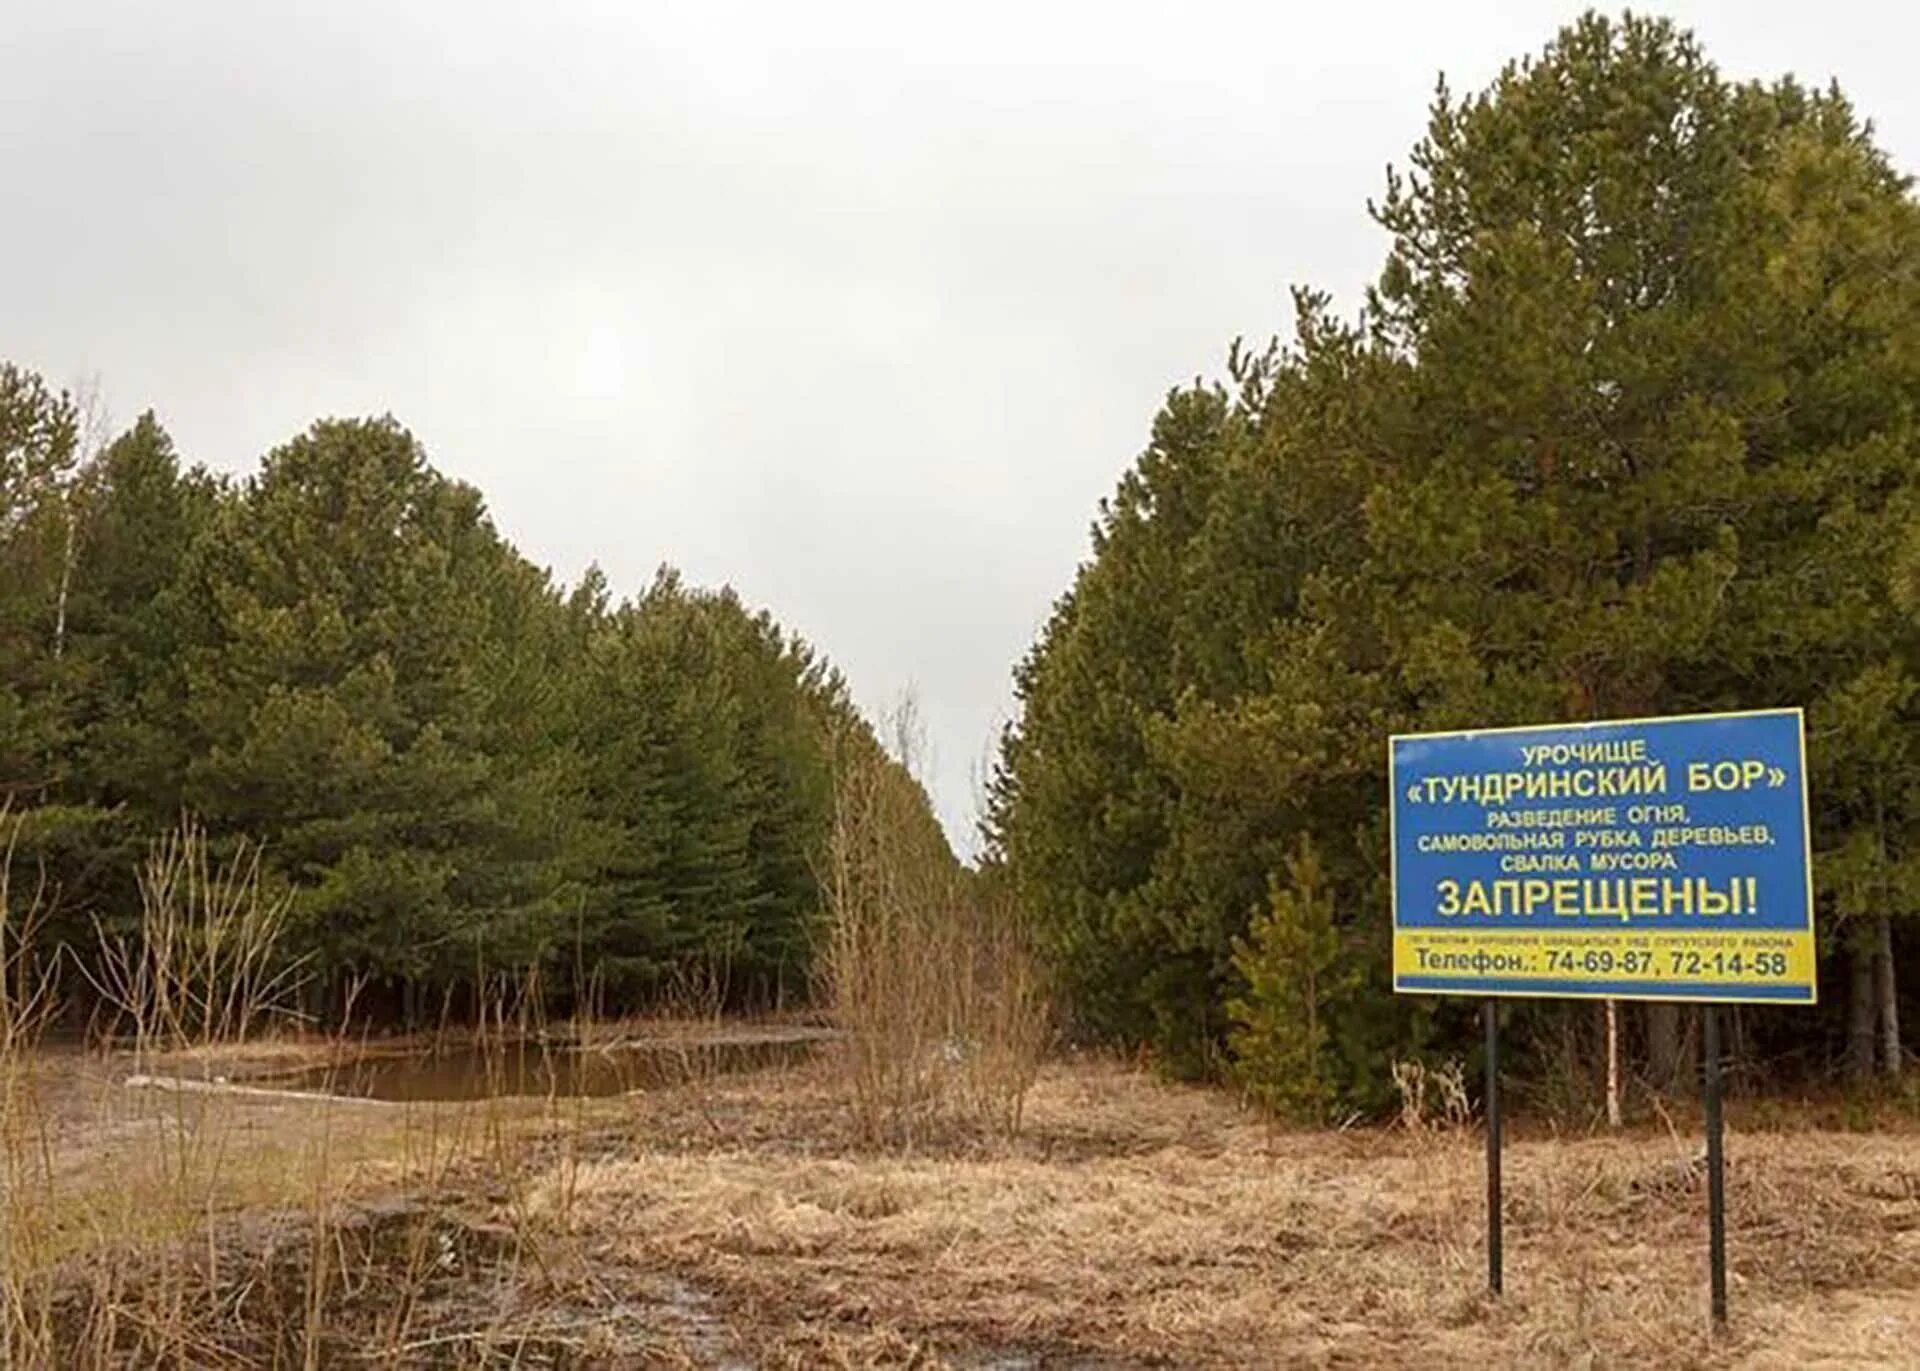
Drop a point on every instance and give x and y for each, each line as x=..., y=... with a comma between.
x=860, y=308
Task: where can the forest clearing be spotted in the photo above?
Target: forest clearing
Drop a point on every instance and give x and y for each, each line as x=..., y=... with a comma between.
x=735, y=1220
x=1487, y=709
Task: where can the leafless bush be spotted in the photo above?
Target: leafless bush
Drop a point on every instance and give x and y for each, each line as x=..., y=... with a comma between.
x=936, y=990
x=695, y=1004
x=203, y=965
x=1000, y=1012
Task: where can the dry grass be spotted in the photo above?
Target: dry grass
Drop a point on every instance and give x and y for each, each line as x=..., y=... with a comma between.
x=742, y=1220
x=1145, y=1224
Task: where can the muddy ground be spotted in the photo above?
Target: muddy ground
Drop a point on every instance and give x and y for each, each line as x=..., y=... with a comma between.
x=733, y=1220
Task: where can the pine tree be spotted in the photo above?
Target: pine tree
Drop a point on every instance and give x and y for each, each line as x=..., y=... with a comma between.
x=39, y=460
x=1624, y=429
x=1294, y=969
x=349, y=704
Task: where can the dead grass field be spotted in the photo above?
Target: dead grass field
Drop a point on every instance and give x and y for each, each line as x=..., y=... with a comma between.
x=1142, y=1223
x=735, y=1221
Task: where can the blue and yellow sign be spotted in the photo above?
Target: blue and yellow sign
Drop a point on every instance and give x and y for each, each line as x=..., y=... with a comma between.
x=1648, y=859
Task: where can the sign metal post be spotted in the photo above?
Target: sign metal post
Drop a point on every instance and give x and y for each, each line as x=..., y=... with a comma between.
x=1489, y=1010
x=1716, y=1171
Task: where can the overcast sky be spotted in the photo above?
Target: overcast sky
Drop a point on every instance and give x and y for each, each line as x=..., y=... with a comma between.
x=859, y=308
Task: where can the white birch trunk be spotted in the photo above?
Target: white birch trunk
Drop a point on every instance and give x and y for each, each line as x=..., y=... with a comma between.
x=1613, y=1064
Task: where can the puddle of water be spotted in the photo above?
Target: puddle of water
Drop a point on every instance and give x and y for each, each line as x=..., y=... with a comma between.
x=535, y=1069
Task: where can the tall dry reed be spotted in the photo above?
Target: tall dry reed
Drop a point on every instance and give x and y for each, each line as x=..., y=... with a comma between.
x=203, y=966
x=26, y=1005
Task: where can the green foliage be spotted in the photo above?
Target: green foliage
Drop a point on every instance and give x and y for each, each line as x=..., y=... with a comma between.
x=39, y=457
x=452, y=767
x=343, y=710
x=706, y=737
x=1296, y=976
x=1626, y=427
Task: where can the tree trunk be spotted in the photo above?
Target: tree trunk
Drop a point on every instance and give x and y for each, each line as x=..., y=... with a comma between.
x=66, y=580
x=1663, y=1044
x=1887, y=994
x=1613, y=1064
x=1861, y=1008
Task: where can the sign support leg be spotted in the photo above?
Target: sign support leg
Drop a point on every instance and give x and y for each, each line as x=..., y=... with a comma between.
x=1489, y=1012
x=1716, y=1169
